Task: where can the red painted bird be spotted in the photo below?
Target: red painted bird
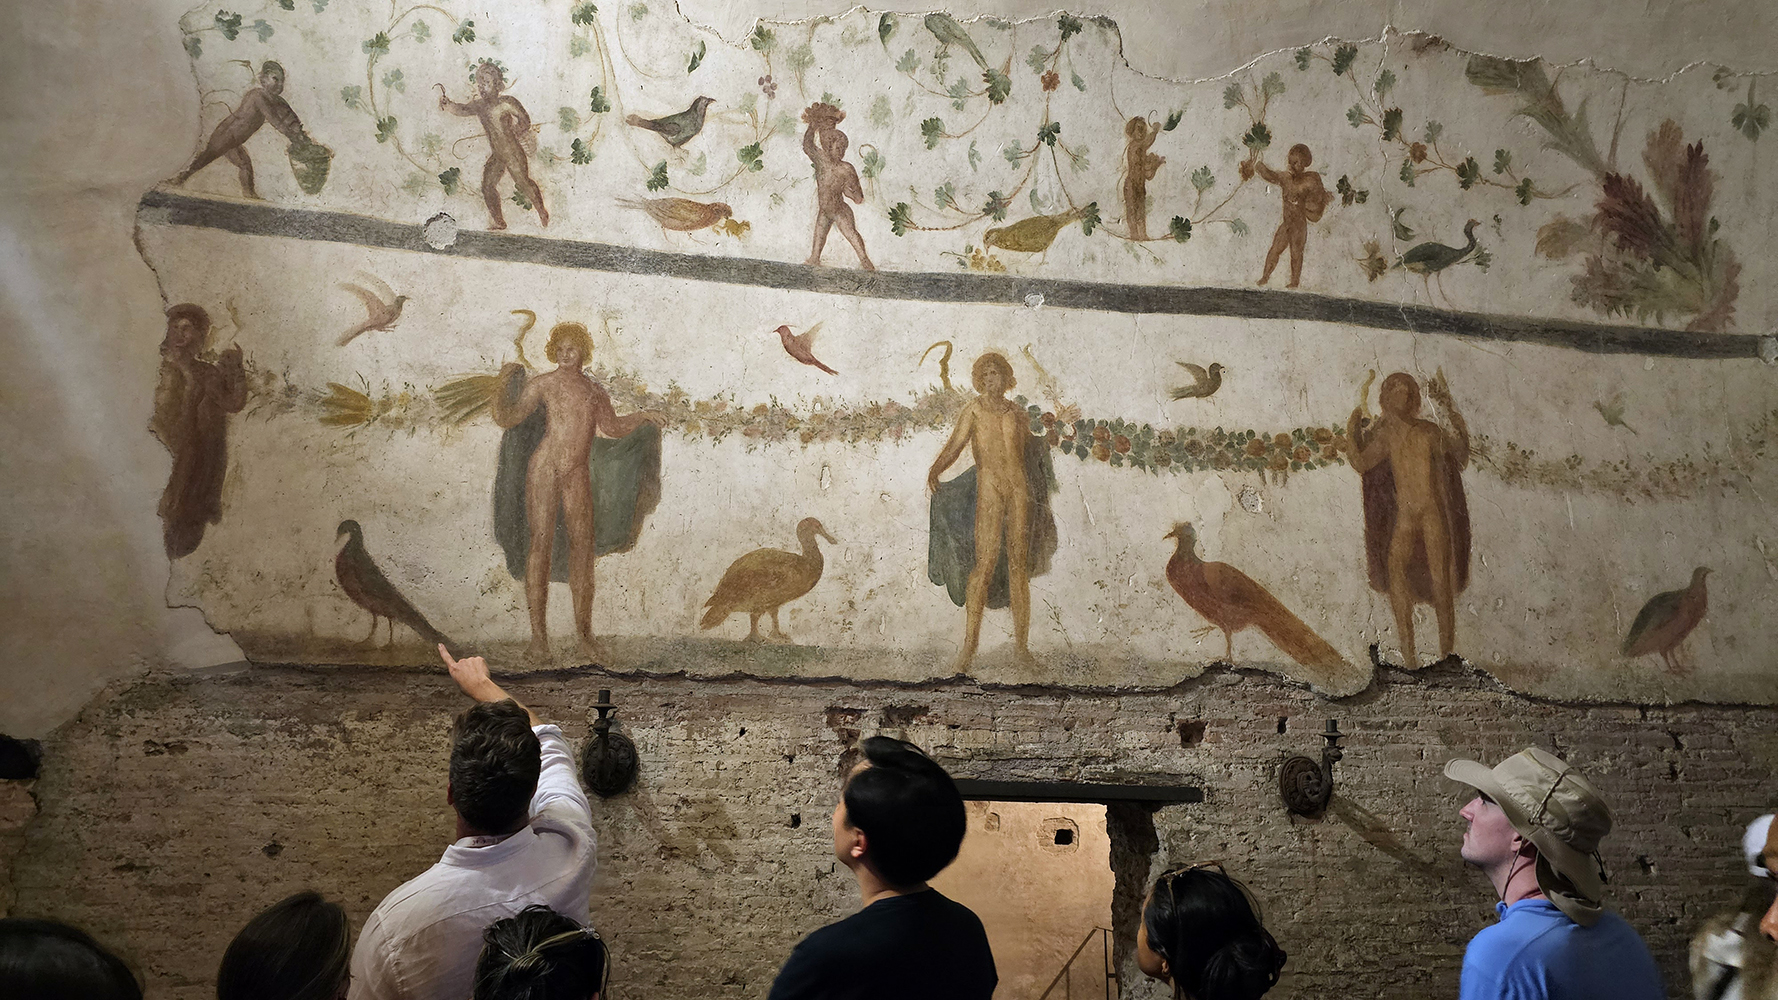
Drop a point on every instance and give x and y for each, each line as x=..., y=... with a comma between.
x=800, y=346
x=1229, y=600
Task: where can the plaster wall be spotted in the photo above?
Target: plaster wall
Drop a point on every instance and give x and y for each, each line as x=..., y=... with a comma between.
x=111, y=111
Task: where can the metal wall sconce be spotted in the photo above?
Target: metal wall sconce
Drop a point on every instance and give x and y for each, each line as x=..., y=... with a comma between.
x=1307, y=787
x=608, y=761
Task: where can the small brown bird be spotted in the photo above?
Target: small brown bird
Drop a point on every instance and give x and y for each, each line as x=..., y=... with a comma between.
x=380, y=313
x=801, y=346
x=677, y=129
x=1667, y=619
x=1204, y=383
x=764, y=580
x=1229, y=600
x=682, y=215
x=368, y=588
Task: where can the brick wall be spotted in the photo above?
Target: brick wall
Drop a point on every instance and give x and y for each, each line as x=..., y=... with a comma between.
x=173, y=808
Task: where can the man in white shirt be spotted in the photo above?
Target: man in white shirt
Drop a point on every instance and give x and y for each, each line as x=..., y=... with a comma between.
x=524, y=836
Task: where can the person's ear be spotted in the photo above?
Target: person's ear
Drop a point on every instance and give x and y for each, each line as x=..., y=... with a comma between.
x=450, y=795
x=860, y=843
x=1523, y=847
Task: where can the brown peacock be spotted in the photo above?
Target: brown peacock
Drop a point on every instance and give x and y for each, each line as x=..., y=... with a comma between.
x=762, y=581
x=365, y=584
x=1231, y=601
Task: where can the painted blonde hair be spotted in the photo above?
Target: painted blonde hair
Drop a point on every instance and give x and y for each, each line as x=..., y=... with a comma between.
x=572, y=334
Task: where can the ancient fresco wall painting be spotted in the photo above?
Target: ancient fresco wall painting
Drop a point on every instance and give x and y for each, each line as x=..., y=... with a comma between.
x=900, y=346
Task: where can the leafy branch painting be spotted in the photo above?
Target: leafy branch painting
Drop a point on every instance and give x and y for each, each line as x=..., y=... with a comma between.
x=1639, y=257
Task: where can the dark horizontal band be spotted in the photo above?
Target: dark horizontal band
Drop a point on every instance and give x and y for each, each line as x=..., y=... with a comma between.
x=258, y=219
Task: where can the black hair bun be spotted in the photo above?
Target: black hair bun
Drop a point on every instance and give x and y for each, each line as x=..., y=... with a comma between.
x=1244, y=968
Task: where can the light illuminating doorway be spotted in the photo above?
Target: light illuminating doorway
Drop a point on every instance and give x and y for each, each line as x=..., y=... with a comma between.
x=1057, y=872
x=1039, y=876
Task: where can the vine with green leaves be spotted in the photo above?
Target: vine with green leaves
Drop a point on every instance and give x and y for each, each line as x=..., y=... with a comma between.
x=1424, y=155
x=1045, y=63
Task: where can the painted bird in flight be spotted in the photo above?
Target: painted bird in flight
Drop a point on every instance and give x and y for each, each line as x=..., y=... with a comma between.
x=380, y=313
x=800, y=346
x=1204, y=383
x=1613, y=412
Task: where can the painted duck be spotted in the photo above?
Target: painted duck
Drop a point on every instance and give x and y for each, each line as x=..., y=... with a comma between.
x=1665, y=621
x=764, y=580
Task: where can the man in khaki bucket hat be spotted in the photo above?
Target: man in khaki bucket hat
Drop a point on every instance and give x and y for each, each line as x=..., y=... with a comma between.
x=1534, y=830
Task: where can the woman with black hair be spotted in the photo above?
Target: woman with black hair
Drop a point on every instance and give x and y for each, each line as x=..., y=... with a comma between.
x=540, y=955
x=297, y=949
x=1201, y=932
x=44, y=960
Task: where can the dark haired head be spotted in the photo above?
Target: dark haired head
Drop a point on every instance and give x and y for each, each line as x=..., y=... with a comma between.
x=297, y=949
x=45, y=960
x=495, y=760
x=539, y=955
x=1202, y=923
x=909, y=810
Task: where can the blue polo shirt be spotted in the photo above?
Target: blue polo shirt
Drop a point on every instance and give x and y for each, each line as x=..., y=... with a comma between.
x=1536, y=952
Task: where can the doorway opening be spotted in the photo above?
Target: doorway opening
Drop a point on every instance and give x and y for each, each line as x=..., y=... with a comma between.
x=1039, y=876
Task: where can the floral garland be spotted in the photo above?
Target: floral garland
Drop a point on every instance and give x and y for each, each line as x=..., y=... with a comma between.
x=1115, y=442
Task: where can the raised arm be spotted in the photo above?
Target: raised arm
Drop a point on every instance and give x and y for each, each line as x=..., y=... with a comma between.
x=445, y=103
x=1365, y=455
x=510, y=408
x=953, y=448
x=557, y=784
x=471, y=674
x=231, y=393
x=1260, y=168
x=1457, y=437
x=810, y=148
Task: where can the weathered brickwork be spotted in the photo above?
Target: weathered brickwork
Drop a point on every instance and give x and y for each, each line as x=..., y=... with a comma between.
x=173, y=808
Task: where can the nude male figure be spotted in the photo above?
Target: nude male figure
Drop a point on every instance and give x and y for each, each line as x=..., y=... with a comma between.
x=576, y=409
x=835, y=181
x=995, y=429
x=1424, y=460
x=1304, y=197
x=262, y=104
x=508, y=128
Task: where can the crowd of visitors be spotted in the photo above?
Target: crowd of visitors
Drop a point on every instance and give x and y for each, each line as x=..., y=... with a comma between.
x=503, y=915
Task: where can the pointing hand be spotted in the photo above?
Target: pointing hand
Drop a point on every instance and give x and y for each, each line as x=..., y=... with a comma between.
x=471, y=674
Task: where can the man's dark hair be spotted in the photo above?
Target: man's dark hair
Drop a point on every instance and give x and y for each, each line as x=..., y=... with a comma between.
x=299, y=948
x=495, y=760
x=539, y=955
x=46, y=960
x=909, y=810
